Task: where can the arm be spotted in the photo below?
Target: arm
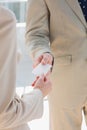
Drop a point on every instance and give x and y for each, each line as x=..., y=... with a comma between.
x=37, y=30
x=29, y=107
x=14, y=111
x=22, y=110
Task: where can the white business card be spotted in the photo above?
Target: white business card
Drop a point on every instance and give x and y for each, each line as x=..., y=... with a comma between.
x=41, y=69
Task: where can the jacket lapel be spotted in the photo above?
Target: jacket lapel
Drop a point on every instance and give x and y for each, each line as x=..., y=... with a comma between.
x=77, y=10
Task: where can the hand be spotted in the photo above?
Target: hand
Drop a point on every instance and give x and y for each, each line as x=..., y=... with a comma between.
x=45, y=58
x=44, y=84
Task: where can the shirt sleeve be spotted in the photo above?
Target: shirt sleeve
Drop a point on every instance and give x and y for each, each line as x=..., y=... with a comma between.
x=37, y=28
x=22, y=110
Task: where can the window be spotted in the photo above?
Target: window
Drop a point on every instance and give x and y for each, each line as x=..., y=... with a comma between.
x=25, y=65
x=18, y=7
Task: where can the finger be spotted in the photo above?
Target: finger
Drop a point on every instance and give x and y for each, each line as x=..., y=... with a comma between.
x=35, y=81
x=47, y=59
x=47, y=79
x=38, y=61
x=42, y=77
x=48, y=74
x=44, y=61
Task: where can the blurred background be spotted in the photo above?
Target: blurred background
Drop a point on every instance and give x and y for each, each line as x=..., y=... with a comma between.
x=24, y=75
x=24, y=68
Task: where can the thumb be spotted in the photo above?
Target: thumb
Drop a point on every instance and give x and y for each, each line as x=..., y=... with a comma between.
x=38, y=61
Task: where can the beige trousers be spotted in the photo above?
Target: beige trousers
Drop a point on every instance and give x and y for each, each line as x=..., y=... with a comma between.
x=69, y=94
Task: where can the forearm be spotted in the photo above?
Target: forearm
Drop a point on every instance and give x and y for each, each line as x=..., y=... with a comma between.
x=37, y=28
x=23, y=110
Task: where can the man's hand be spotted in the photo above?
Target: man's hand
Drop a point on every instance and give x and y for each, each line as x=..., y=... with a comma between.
x=44, y=84
x=44, y=59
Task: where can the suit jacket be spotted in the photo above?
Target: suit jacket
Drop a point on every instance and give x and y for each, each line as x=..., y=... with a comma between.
x=15, y=112
x=59, y=24
x=59, y=27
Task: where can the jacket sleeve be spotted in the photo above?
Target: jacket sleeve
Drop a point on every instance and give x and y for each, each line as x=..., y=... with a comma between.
x=22, y=110
x=14, y=111
x=37, y=28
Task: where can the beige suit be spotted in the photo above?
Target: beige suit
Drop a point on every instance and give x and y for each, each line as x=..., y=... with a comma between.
x=15, y=112
x=61, y=22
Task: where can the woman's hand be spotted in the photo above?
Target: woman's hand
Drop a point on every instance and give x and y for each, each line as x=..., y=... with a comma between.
x=44, y=84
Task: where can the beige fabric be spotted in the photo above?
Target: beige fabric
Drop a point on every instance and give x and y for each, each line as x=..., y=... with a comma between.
x=15, y=112
x=61, y=22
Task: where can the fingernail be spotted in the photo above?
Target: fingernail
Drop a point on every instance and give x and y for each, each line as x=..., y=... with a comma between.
x=44, y=78
x=37, y=77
